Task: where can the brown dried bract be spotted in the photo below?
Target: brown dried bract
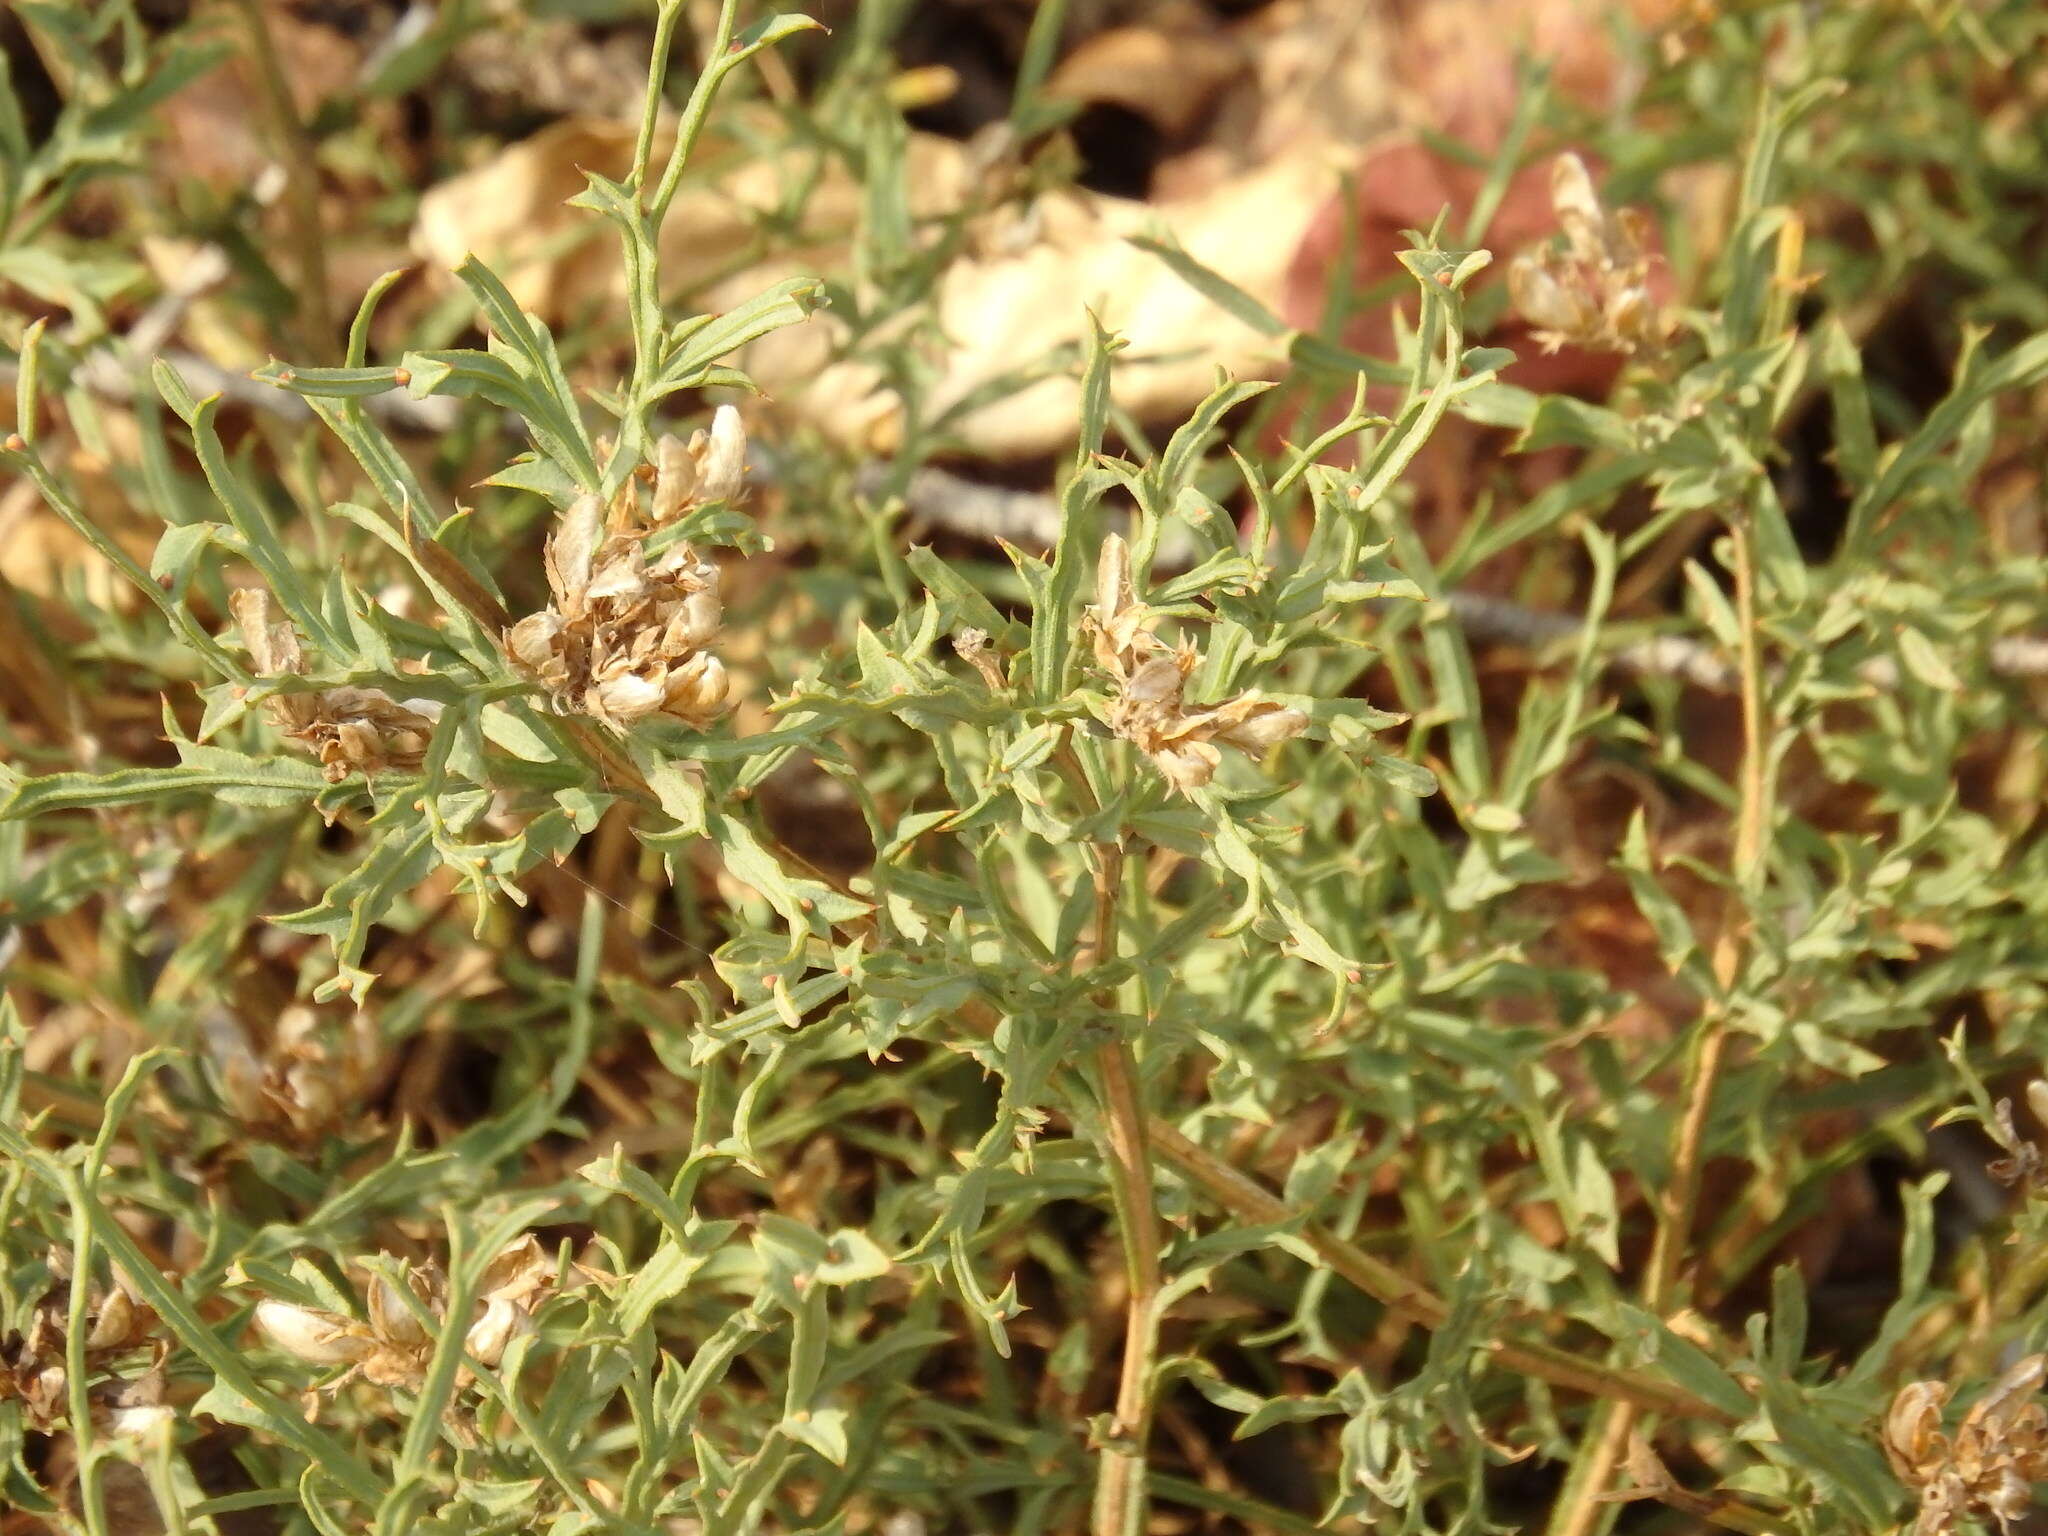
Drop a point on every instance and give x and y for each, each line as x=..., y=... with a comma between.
x=629, y=635
x=351, y=730
x=1150, y=710
x=1988, y=1470
x=1595, y=291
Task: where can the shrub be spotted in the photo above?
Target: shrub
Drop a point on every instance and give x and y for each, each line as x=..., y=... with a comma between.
x=583, y=1021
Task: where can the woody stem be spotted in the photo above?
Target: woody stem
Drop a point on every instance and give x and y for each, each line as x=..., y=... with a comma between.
x=1120, y=1490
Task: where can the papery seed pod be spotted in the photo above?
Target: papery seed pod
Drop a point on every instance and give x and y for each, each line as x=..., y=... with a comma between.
x=1187, y=765
x=1942, y=1503
x=114, y=1323
x=391, y=1320
x=570, y=550
x=1265, y=730
x=1577, y=205
x=531, y=644
x=2011, y=1395
x=318, y=1338
x=619, y=578
x=675, y=479
x=2037, y=1099
x=314, y=1092
x=517, y=1271
x=44, y=1397
x=1113, y=592
x=1540, y=297
x=625, y=699
x=721, y=457
x=697, y=689
x=1156, y=681
x=695, y=624
x=503, y=1321
x=1630, y=313
x=273, y=648
x=1912, y=1429
x=142, y=1422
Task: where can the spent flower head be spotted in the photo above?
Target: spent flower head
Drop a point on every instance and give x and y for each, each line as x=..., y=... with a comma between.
x=351, y=730
x=628, y=634
x=1150, y=710
x=307, y=1082
x=1594, y=291
x=1989, y=1468
x=392, y=1347
x=33, y=1361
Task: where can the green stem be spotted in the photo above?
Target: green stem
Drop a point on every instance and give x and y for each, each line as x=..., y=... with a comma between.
x=1582, y=1511
x=1120, y=1494
x=1253, y=1203
x=696, y=110
x=77, y=1381
x=74, y=517
x=657, y=73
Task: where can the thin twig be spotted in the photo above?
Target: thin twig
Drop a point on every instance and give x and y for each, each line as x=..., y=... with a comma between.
x=1120, y=1492
x=1253, y=1203
x=1587, y=1501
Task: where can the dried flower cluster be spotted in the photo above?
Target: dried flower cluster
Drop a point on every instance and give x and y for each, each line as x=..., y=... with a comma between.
x=628, y=635
x=394, y=1347
x=2022, y=1164
x=1150, y=710
x=119, y=1322
x=307, y=1082
x=1988, y=1470
x=1594, y=292
x=351, y=730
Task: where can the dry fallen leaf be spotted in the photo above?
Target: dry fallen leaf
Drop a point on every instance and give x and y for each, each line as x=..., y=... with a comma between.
x=512, y=212
x=1007, y=311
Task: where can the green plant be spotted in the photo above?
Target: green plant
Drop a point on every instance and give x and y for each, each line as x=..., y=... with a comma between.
x=941, y=1182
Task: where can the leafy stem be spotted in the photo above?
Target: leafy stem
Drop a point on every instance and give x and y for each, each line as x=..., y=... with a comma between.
x=1120, y=1492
